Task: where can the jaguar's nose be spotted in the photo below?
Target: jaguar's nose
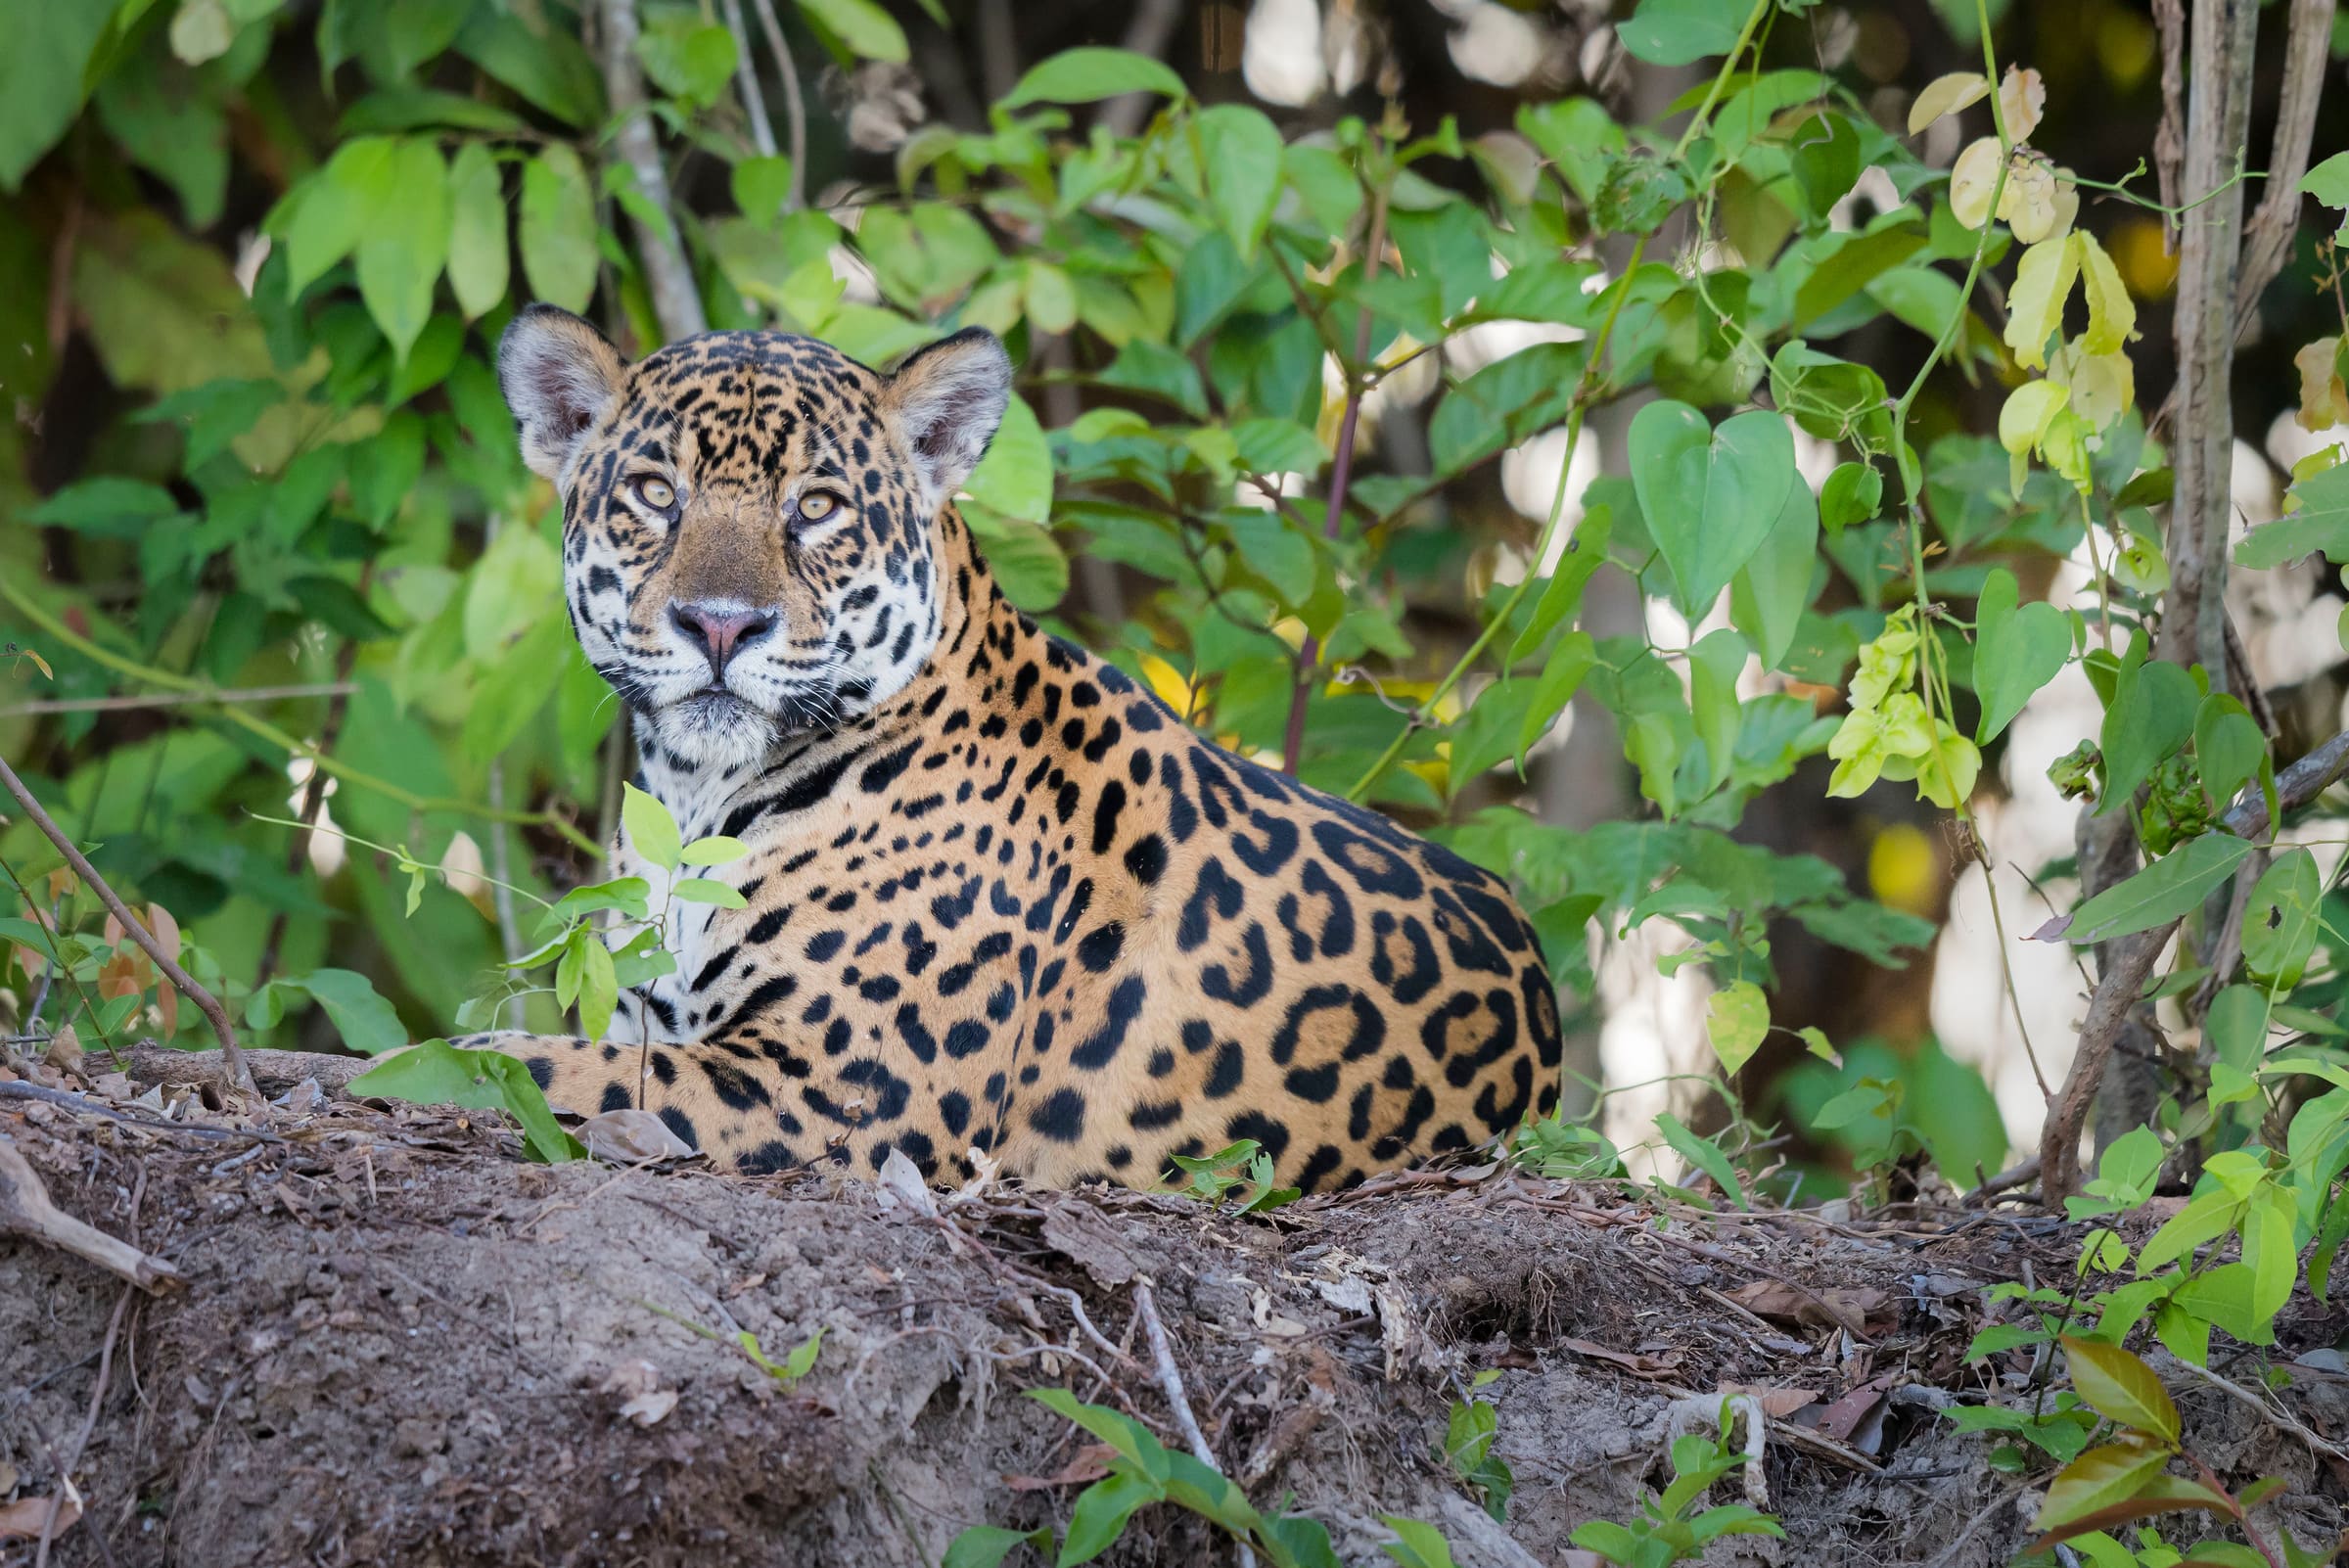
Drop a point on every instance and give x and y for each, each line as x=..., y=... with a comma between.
x=720, y=632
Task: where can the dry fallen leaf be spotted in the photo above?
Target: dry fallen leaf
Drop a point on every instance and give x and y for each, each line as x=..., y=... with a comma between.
x=1638, y=1366
x=25, y=1518
x=65, y=1050
x=647, y=1409
x=901, y=1182
x=1087, y=1463
x=1776, y=1402
x=631, y=1136
x=1783, y=1302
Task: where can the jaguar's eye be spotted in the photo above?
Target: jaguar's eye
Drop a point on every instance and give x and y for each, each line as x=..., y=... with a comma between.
x=817, y=505
x=659, y=494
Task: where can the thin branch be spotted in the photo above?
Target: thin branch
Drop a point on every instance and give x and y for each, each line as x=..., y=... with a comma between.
x=25, y=1210
x=176, y=699
x=179, y=978
x=1170, y=1384
x=794, y=107
x=746, y=82
x=2268, y=237
x=2132, y=961
x=667, y=276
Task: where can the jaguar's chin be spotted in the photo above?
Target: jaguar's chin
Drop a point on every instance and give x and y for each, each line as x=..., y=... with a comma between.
x=716, y=729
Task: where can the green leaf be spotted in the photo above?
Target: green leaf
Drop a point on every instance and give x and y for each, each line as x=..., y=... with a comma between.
x=550, y=68
x=1025, y=557
x=1710, y=496
x=2121, y=1387
x=1852, y=494
x=477, y=254
x=406, y=245
x=714, y=849
x=987, y=1545
x=1015, y=476
x=868, y=31
x=1768, y=599
x=2230, y=1297
x=1737, y=1021
x=1704, y=1154
x=1276, y=551
x=105, y=507
x=2205, y=1218
x=41, y=77
x=1239, y=154
x=558, y=228
x=707, y=890
x=652, y=830
x=2328, y=181
x=686, y=58
x=2159, y=894
x=1416, y=1544
x=1714, y=664
x=2228, y=746
x=760, y=186
x=2321, y=521
x=2019, y=648
x=1584, y=553
x=437, y=1073
x=1561, y=678
x=1100, y=1514
x=1089, y=74
x=2151, y=716
x=339, y=205
x=1681, y=32
x=2279, y=924
x=366, y=1022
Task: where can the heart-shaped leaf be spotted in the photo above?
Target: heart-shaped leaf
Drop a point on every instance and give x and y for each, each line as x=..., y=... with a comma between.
x=1710, y=496
x=2019, y=648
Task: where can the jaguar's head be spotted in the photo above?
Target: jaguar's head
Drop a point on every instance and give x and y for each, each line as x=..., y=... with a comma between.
x=750, y=519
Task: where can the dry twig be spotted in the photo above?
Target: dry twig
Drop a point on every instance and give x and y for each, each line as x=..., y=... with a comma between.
x=667, y=276
x=25, y=1210
x=1169, y=1383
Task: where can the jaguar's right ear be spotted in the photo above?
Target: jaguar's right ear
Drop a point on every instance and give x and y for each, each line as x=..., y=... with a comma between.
x=559, y=375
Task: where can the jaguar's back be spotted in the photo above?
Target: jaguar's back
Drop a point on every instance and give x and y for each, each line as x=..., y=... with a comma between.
x=997, y=896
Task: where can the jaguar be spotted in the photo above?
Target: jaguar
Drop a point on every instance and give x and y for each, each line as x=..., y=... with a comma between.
x=999, y=903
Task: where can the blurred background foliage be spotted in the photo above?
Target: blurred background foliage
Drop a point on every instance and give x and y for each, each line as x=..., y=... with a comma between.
x=266, y=529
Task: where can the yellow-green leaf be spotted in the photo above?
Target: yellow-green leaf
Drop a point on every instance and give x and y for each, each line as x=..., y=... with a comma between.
x=1946, y=95
x=2043, y=283
x=652, y=831
x=2097, y=1480
x=1736, y=1021
x=2121, y=1387
x=2111, y=313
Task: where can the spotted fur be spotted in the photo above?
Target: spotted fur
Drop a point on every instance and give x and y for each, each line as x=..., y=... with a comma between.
x=998, y=896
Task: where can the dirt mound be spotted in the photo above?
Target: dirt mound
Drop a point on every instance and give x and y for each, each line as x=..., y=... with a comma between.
x=397, y=1343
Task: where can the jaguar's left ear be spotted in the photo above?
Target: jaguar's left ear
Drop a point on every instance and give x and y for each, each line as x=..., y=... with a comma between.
x=944, y=402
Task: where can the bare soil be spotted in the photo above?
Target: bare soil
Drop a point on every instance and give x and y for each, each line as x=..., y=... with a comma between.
x=397, y=1342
